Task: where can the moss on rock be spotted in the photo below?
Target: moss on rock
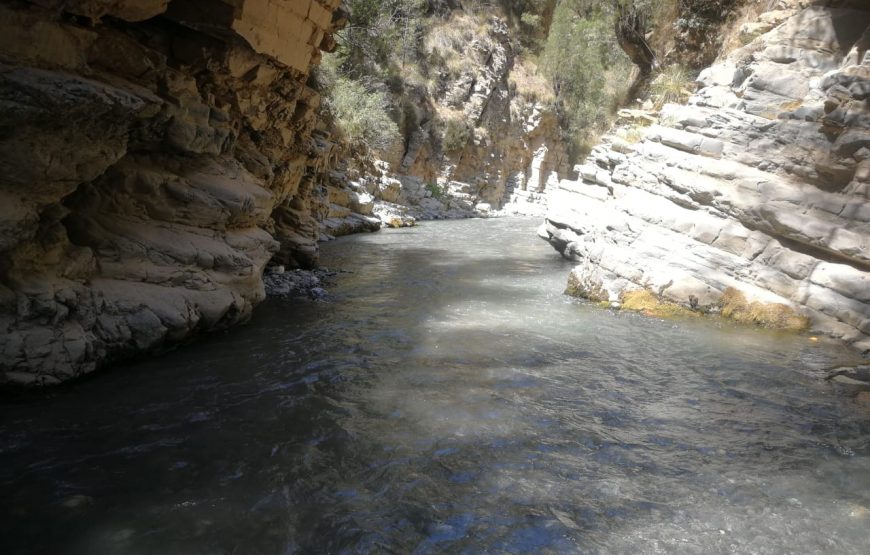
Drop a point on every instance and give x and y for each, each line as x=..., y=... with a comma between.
x=643, y=301
x=578, y=287
x=733, y=304
x=768, y=315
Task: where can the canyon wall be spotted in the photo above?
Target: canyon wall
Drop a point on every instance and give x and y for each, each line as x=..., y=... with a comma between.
x=510, y=145
x=759, y=187
x=475, y=141
x=154, y=156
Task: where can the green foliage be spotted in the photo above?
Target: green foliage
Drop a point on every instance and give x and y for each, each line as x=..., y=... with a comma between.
x=435, y=191
x=381, y=33
x=532, y=20
x=456, y=135
x=587, y=68
x=361, y=114
x=701, y=13
x=567, y=55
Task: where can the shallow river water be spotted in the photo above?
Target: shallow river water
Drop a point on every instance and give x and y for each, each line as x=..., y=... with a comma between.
x=447, y=398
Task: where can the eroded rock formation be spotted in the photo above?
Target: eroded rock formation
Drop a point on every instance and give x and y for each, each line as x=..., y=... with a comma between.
x=761, y=184
x=154, y=156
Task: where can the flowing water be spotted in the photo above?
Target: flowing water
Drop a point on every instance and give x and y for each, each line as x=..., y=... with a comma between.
x=447, y=398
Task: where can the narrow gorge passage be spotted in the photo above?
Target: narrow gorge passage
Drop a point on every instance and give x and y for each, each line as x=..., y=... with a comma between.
x=446, y=397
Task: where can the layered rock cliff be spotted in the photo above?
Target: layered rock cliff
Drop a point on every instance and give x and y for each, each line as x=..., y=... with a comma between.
x=508, y=144
x=759, y=188
x=154, y=156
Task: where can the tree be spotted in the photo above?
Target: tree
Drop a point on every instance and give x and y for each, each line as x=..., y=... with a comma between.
x=630, y=26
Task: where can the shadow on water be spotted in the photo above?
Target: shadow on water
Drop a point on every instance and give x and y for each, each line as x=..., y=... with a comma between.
x=446, y=399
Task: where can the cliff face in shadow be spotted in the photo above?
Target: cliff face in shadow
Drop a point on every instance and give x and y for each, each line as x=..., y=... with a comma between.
x=758, y=189
x=154, y=156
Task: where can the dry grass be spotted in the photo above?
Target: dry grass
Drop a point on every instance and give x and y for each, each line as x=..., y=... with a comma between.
x=449, y=40
x=768, y=315
x=450, y=125
x=632, y=134
x=648, y=304
x=749, y=12
x=616, y=81
x=672, y=85
x=529, y=83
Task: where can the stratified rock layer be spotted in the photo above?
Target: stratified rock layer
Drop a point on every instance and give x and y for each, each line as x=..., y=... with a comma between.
x=760, y=184
x=154, y=156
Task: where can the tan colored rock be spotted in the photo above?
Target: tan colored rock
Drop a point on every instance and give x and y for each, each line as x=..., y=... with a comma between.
x=146, y=184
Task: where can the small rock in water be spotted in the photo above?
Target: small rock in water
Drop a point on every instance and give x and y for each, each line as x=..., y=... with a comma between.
x=297, y=283
x=851, y=375
x=77, y=501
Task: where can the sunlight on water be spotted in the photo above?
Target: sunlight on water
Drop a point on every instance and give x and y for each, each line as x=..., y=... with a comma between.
x=447, y=398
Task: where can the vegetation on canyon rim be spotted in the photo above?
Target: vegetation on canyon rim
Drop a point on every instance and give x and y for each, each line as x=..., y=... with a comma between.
x=395, y=56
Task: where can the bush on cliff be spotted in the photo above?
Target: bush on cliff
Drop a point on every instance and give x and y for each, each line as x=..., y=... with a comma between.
x=588, y=71
x=456, y=135
x=362, y=115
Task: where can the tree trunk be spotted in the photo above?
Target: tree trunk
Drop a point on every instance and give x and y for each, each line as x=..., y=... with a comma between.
x=631, y=35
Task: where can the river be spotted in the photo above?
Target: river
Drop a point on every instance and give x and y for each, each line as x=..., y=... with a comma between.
x=446, y=398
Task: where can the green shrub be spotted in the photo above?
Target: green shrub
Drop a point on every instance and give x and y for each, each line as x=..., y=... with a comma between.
x=588, y=70
x=361, y=114
x=435, y=191
x=531, y=20
x=456, y=135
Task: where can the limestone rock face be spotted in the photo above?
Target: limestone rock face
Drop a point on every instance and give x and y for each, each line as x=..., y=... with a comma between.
x=510, y=149
x=514, y=147
x=761, y=183
x=155, y=155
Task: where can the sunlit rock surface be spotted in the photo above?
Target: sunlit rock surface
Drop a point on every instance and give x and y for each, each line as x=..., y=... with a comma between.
x=761, y=184
x=154, y=156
